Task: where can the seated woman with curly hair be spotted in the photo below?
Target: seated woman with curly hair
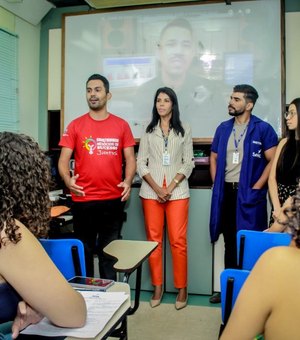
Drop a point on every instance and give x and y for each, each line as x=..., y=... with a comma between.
x=31, y=287
x=269, y=302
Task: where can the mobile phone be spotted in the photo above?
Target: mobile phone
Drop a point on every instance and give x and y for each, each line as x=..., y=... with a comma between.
x=90, y=283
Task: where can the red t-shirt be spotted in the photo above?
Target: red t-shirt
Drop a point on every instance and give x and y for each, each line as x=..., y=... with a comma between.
x=98, y=146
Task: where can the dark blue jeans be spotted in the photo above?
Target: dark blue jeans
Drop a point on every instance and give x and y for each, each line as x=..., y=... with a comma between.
x=96, y=224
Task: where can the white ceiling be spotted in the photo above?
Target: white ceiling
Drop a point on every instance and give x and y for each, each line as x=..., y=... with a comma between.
x=32, y=11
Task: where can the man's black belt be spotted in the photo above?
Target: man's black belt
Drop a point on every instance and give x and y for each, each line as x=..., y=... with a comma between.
x=232, y=185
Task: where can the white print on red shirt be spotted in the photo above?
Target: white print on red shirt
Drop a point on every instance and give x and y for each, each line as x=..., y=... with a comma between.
x=103, y=146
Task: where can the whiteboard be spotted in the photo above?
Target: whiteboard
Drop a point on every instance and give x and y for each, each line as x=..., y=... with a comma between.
x=231, y=44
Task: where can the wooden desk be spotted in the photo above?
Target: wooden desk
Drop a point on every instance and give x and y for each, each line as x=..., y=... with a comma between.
x=130, y=256
x=119, y=317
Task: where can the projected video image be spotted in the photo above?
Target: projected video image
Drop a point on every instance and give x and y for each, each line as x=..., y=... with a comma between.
x=201, y=51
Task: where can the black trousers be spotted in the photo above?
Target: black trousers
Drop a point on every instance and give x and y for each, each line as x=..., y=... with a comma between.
x=228, y=226
x=96, y=224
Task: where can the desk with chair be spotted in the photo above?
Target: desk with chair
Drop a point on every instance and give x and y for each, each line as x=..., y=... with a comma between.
x=68, y=256
x=120, y=317
x=130, y=256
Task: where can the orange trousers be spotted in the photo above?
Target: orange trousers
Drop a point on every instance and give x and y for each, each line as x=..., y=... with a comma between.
x=176, y=214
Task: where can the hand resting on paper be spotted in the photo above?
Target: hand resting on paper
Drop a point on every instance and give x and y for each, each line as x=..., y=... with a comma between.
x=25, y=317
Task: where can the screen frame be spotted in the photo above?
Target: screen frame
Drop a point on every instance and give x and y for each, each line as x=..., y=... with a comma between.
x=196, y=139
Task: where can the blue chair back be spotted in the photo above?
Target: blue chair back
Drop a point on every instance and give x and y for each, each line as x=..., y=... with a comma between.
x=252, y=244
x=232, y=281
x=67, y=255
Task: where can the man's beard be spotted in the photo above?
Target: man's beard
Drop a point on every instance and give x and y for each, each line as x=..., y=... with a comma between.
x=235, y=113
x=96, y=107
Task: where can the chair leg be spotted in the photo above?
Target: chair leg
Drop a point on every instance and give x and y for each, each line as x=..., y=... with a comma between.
x=229, y=296
x=137, y=290
x=121, y=332
x=138, y=284
x=222, y=326
x=124, y=331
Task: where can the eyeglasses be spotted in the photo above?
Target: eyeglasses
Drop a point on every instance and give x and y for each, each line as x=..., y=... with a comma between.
x=289, y=114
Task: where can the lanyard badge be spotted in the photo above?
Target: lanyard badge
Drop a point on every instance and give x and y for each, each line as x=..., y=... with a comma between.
x=166, y=159
x=235, y=157
x=236, y=154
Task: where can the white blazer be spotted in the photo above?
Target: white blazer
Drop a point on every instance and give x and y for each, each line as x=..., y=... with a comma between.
x=150, y=160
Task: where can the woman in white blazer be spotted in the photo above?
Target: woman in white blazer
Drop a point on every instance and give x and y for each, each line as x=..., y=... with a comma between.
x=165, y=161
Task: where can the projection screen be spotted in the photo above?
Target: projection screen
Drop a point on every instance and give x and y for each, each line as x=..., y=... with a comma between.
x=200, y=50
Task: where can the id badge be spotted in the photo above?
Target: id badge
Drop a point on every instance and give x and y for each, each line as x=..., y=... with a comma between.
x=166, y=158
x=235, y=158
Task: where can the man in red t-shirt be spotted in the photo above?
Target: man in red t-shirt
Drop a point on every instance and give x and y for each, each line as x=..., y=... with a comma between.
x=100, y=142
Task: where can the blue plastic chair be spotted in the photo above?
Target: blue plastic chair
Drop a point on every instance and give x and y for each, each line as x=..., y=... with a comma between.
x=252, y=244
x=67, y=255
x=232, y=281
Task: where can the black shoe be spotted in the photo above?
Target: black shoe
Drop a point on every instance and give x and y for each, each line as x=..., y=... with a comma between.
x=216, y=298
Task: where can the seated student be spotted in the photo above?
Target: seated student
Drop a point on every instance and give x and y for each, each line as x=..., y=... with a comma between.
x=31, y=287
x=269, y=303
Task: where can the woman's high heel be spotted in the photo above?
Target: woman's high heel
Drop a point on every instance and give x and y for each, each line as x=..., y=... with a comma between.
x=156, y=302
x=181, y=304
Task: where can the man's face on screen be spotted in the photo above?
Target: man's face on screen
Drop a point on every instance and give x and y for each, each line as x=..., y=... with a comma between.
x=176, y=51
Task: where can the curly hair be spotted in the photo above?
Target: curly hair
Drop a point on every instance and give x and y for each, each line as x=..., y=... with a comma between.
x=292, y=221
x=24, y=186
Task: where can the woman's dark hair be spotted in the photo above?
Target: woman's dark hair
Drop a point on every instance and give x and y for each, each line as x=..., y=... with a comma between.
x=24, y=186
x=175, y=122
x=292, y=143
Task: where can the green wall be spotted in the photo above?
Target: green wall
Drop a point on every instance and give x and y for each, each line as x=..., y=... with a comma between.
x=52, y=20
x=292, y=6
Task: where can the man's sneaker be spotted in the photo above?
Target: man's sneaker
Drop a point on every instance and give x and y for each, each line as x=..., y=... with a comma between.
x=216, y=298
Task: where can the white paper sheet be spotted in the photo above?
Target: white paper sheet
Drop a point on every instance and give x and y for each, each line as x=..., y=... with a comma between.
x=101, y=306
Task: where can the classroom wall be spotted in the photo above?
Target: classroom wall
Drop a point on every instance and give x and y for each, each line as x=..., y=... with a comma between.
x=53, y=20
x=29, y=55
x=7, y=20
x=292, y=33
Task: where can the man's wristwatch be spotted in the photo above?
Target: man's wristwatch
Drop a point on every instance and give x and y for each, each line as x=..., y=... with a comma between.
x=176, y=181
